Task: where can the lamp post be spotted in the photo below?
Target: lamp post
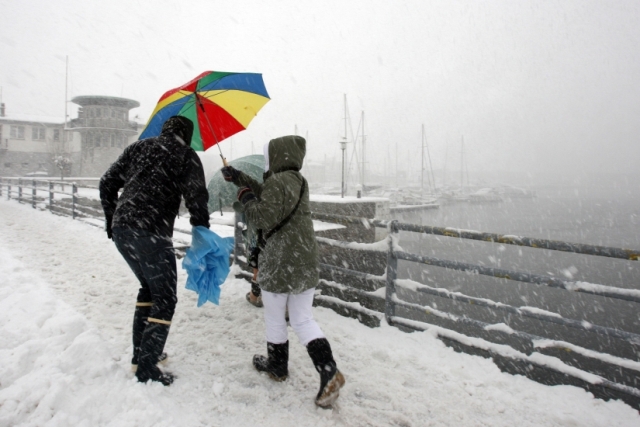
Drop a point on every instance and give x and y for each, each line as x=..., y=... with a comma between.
x=343, y=147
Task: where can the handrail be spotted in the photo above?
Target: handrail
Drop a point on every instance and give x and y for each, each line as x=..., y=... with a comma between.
x=392, y=301
x=612, y=292
x=552, y=282
x=556, y=245
x=31, y=183
x=522, y=311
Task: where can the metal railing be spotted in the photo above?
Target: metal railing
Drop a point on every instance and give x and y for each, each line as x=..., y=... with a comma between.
x=30, y=190
x=372, y=304
x=366, y=302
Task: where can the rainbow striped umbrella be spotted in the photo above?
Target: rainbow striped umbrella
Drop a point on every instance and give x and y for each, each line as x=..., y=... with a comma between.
x=219, y=104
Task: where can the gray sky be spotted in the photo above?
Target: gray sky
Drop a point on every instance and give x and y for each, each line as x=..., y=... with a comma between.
x=533, y=86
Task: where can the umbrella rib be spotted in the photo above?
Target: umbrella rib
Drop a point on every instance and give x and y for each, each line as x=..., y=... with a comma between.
x=210, y=127
x=188, y=93
x=197, y=100
x=215, y=94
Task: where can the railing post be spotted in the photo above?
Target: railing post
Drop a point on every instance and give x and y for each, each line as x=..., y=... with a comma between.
x=19, y=190
x=1, y=182
x=33, y=194
x=74, y=199
x=50, y=196
x=392, y=273
x=237, y=236
x=9, y=189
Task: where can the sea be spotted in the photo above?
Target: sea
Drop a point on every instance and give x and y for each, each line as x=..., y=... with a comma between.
x=600, y=213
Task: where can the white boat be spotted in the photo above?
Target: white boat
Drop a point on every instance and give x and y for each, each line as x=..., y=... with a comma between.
x=447, y=197
x=485, y=195
x=511, y=192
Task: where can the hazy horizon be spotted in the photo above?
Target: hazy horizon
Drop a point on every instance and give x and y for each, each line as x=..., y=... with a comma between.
x=535, y=88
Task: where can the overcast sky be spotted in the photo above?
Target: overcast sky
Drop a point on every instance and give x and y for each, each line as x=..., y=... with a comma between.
x=531, y=86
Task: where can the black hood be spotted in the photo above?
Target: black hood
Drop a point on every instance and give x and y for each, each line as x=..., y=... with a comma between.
x=180, y=126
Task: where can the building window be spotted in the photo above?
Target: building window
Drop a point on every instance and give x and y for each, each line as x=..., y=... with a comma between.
x=38, y=133
x=17, y=132
x=25, y=165
x=56, y=134
x=7, y=165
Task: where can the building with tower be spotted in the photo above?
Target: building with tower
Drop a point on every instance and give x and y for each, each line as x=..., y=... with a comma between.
x=105, y=130
x=82, y=147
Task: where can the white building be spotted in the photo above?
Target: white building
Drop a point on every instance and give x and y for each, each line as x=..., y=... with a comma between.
x=42, y=146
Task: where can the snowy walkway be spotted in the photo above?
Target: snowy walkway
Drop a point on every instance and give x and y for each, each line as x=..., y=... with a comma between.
x=66, y=301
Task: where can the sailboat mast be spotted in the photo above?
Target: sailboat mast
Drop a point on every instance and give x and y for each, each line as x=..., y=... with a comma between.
x=345, y=116
x=396, y=166
x=363, y=152
x=66, y=102
x=462, y=165
x=422, y=163
x=66, y=86
x=444, y=170
x=433, y=177
x=343, y=146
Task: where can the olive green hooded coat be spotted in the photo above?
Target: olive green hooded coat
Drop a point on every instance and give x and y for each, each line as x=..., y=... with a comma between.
x=288, y=263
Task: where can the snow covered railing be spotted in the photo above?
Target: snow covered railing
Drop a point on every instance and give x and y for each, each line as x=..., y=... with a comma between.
x=555, y=245
x=587, y=288
x=593, y=367
x=15, y=188
x=531, y=312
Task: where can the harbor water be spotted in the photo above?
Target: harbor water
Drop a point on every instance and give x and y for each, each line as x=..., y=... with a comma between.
x=607, y=215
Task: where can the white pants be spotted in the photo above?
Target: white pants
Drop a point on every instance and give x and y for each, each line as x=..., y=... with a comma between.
x=300, y=317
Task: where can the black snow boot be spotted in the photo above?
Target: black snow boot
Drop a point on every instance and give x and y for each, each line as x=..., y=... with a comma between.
x=331, y=379
x=255, y=288
x=277, y=362
x=257, y=293
x=140, y=322
x=153, y=340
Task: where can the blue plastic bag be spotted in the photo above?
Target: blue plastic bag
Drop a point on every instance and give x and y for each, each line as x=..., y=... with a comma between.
x=207, y=264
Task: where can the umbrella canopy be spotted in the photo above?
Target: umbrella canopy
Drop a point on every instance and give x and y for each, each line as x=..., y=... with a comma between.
x=223, y=193
x=219, y=104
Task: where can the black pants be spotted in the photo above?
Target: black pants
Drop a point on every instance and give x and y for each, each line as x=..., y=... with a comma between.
x=153, y=261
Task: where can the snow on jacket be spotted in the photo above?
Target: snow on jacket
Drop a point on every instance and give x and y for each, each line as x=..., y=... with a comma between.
x=154, y=174
x=289, y=260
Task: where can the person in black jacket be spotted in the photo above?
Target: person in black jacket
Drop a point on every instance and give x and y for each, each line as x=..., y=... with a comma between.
x=154, y=174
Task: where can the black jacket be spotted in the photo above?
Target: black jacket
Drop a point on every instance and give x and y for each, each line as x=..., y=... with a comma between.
x=154, y=173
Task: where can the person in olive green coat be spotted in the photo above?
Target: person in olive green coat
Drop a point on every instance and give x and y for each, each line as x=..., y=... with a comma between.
x=288, y=272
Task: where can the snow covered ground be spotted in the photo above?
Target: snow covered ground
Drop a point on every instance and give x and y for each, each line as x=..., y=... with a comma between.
x=66, y=302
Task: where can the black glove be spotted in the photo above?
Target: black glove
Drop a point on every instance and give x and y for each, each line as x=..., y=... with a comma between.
x=107, y=226
x=245, y=195
x=253, y=258
x=230, y=174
